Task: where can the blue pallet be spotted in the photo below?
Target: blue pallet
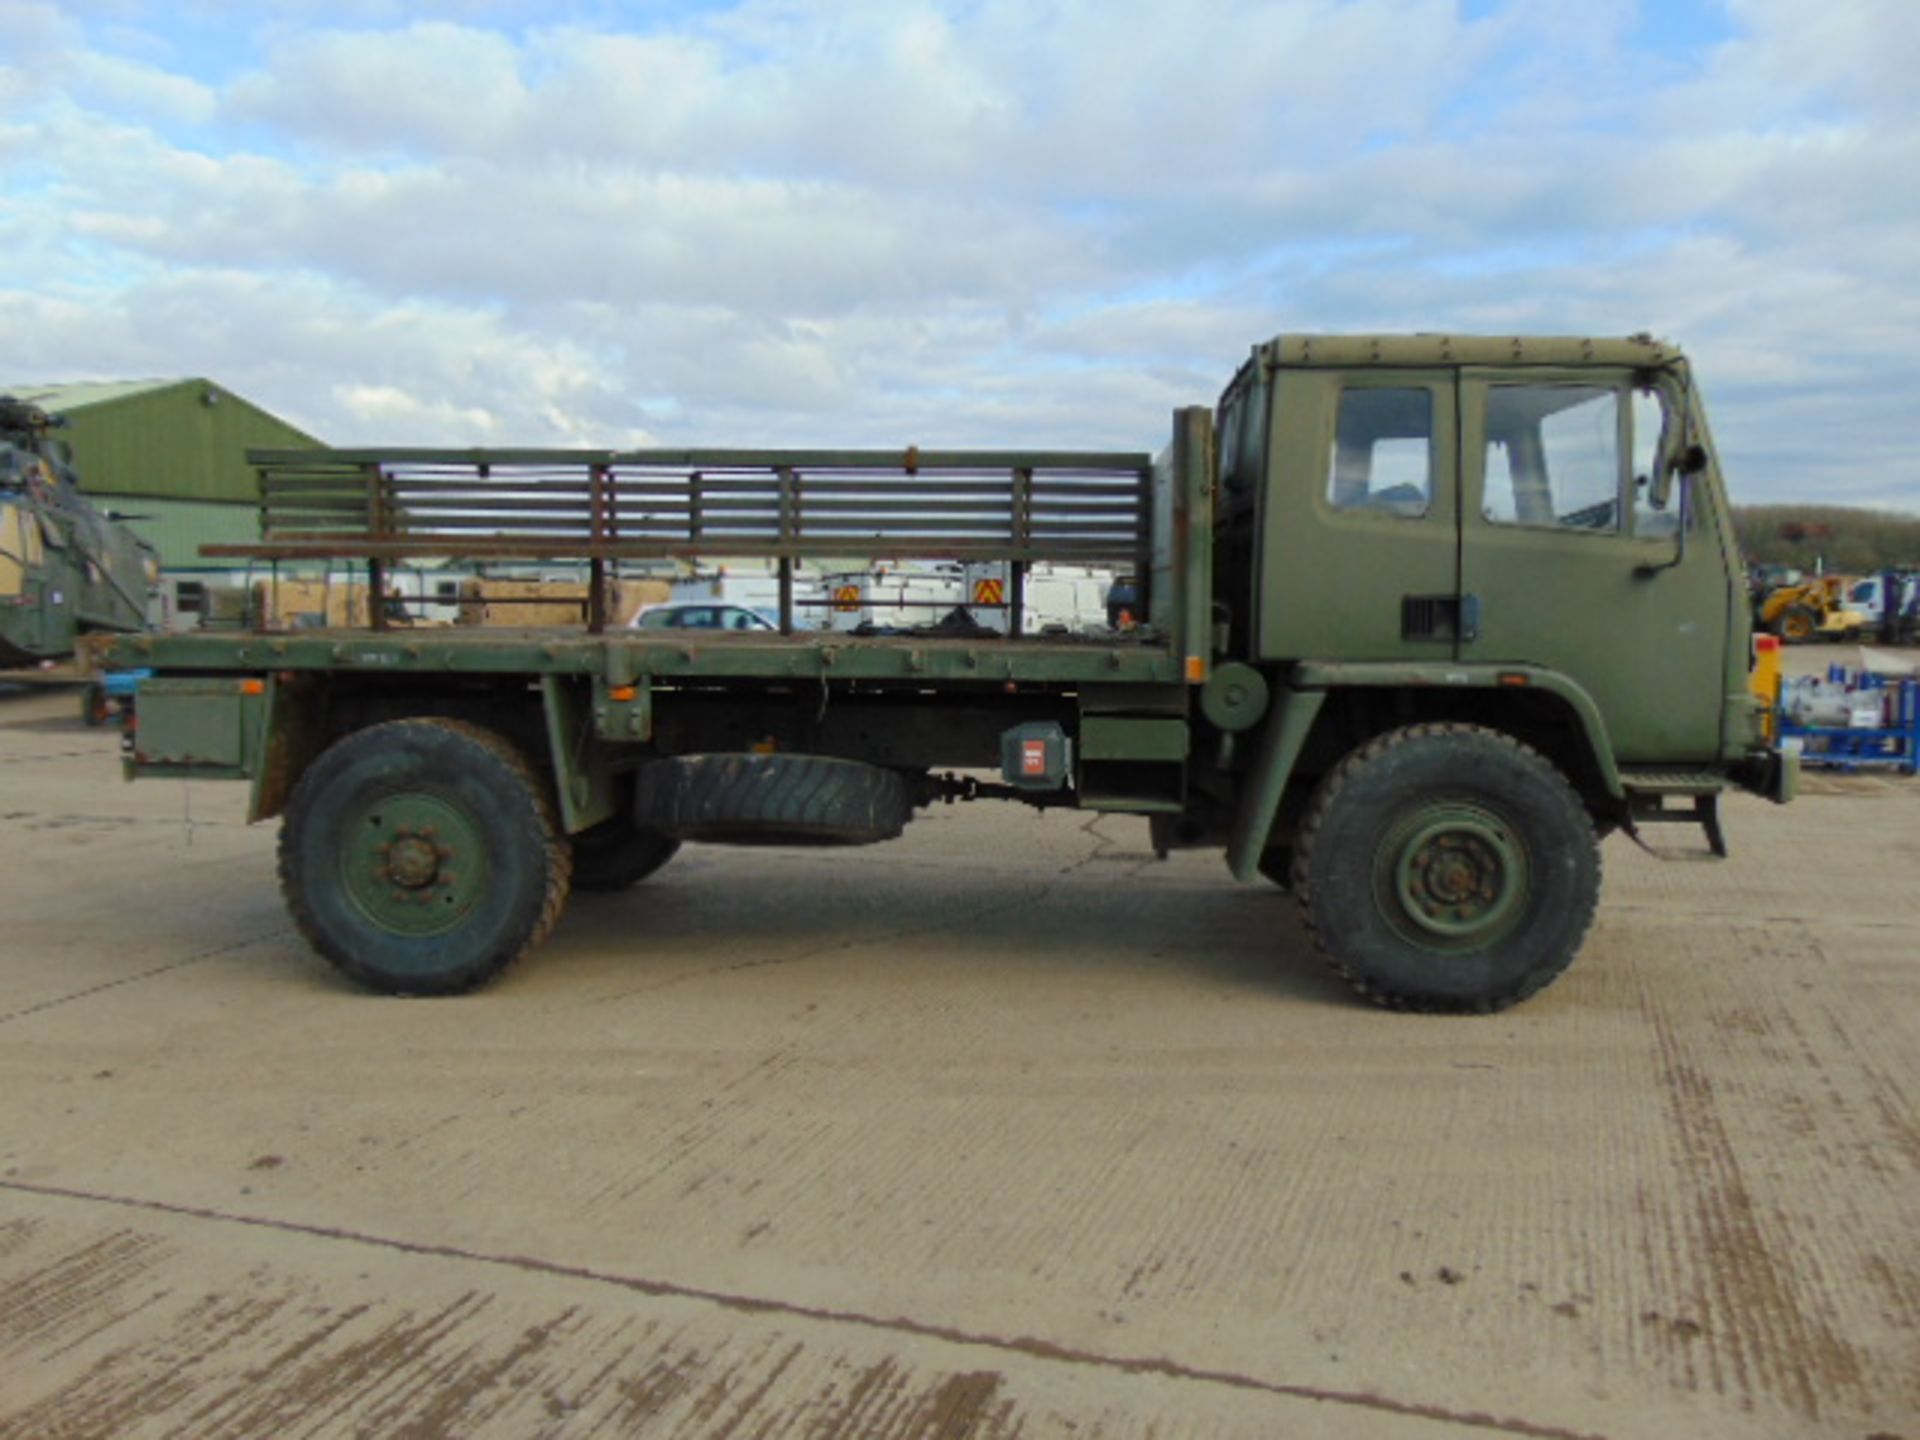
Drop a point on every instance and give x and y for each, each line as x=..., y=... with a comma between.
x=1847, y=747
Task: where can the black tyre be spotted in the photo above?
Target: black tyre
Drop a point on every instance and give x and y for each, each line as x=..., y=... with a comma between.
x=772, y=800
x=1276, y=863
x=421, y=857
x=94, y=707
x=1797, y=624
x=1447, y=868
x=615, y=854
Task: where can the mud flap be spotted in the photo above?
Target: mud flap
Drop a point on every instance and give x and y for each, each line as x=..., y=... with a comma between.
x=1292, y=717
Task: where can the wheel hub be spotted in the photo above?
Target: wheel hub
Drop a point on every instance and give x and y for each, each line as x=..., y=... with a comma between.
x=1452, y=876
x=413, y=863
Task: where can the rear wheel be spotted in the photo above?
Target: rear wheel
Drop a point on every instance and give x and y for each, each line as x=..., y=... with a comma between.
x=1447, y=868
x=1276, y=863
x=421, y=857
x=94, y=706
x=614, y=854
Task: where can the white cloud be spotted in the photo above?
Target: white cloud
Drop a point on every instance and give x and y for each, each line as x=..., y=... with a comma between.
x=993, y=222
x=128, y=87
x=432, y=87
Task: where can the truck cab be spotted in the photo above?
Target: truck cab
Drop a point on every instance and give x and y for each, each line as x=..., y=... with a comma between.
x=1460, y=556
x=1470, y=507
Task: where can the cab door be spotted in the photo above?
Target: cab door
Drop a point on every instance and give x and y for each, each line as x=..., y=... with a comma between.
x=1566, y=562
x=1359, y=525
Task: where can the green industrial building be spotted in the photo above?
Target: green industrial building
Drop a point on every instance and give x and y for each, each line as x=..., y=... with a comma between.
x=170, y=457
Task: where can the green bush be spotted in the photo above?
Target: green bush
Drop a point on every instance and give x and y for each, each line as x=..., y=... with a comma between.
x=1849, y=541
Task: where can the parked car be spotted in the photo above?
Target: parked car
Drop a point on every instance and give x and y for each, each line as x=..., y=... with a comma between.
x=700, y=615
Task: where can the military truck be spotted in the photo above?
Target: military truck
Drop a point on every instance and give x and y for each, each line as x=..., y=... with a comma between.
x=66, y=570
x=1422, y=618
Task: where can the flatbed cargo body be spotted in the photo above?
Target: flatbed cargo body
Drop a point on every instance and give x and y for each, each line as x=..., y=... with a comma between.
x=1408, y=625
x=1049, y=659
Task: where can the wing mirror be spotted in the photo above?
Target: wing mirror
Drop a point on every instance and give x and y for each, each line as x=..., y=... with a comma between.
x=1691, y=461
x=1687, y=465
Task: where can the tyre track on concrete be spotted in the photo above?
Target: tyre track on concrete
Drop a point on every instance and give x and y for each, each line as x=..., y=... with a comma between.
x=1765, y=1316
x=1027, y=1346
x=148, y=974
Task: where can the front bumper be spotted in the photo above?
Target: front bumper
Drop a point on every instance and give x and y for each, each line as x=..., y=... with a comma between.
x=1773, y=774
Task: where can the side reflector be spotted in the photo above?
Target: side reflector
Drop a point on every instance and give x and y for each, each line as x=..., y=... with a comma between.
x=624, y=692
x=1196, y=669
x=1513, y=677
x=253, y=687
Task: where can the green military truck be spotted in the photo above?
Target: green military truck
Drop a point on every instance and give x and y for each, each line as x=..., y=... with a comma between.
x=1422, y=619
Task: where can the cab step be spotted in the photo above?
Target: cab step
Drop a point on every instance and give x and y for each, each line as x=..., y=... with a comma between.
x=1648, y=794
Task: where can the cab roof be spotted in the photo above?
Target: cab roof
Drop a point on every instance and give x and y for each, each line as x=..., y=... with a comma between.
x=1344, y=351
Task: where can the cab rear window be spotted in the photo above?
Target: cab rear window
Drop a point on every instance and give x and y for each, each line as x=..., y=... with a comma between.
x=1383, y=452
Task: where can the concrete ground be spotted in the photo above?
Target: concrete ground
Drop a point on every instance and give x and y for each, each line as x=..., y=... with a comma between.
x=1003, y=1129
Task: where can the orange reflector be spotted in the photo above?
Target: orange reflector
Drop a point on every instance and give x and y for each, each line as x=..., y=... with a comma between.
x=253, y=687
x=1766, y=642
x=1513, y=677
x=624, y=692
x=1196, y=669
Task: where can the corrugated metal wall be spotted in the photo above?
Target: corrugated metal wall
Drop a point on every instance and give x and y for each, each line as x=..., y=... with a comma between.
x=178, y=528
x=185, y=441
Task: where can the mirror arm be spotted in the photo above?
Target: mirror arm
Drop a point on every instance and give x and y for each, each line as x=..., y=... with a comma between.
x=1680, y=543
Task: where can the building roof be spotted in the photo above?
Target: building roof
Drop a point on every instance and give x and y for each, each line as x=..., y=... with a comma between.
x=67, y=396
x=76, y=394
x=184, y=439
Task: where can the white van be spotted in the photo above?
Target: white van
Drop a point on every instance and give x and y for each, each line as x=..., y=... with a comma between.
x=1070, y=599
x=894, y=597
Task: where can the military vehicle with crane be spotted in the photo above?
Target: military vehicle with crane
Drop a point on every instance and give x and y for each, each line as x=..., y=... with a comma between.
x=67, y=570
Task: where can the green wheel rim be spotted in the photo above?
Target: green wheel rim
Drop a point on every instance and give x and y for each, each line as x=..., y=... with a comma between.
x=1451, y=877
x=414, y=864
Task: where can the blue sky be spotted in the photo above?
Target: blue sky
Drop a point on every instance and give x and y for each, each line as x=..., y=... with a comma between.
x=883, y=221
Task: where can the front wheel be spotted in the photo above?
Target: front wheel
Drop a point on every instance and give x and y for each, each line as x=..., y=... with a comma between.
x=421, y=857
x=1797, y=625
x=1447, y=868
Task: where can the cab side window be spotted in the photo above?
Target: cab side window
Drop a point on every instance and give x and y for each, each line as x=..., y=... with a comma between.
x=1650, y=442
x=1553, y=456
x=1382, y=459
